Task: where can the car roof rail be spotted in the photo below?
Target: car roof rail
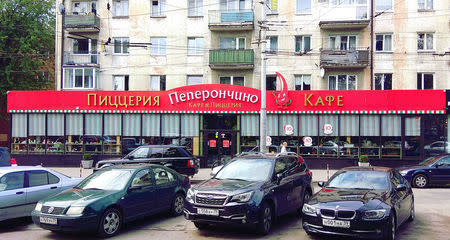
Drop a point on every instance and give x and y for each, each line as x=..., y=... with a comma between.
x=287, y=154
x=250, y=153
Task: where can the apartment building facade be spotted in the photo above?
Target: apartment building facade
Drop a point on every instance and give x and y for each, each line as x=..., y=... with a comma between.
x=321, y=46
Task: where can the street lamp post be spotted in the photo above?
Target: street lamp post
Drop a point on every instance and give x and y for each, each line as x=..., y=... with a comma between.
x=263, y=113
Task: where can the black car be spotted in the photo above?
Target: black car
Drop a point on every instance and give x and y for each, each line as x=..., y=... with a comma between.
x=433, y=170
x=107, y=199
x=368, y=202
x=5, y=158
x=250, y=190
x=174, y=157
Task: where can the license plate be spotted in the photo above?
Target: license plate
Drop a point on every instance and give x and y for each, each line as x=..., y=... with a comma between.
x=47, y=220
x=336, y=223
x=207, y=211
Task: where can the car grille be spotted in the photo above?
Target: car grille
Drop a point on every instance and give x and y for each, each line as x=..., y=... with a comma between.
x=210, y=199
x=342, y=214
x=54, y=211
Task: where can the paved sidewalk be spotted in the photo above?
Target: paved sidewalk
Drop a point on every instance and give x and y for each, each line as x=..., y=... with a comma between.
x=203, y=173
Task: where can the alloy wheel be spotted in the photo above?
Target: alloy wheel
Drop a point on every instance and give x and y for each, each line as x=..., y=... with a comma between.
x=111, y=223
x=179, y=204
x=393, y=228
x=267, y=219
x=420, y=181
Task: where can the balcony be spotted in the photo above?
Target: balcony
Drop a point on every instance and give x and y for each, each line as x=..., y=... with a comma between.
x=339, y=59
x=80, y=59
x=223, y=59
x=83, y=23
x=345, y=17
x=241, y=20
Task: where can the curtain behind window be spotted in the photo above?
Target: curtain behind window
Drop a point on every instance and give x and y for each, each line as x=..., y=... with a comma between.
x=74, y=124
x=55, y=124
x=93, y=124
x=132, y=125
x=308, y=125
x=391, y=126
x=250, y=125
x=19, y=125
x=151, y=125
x=36, y=125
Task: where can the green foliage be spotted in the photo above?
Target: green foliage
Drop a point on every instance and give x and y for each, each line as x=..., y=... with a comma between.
x=26, y=45
x=364, y=159
x=87, y=156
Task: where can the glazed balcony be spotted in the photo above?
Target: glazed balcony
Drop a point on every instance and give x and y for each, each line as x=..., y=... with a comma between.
x=82, y=23
x=335, y=59
x=81, y=58
x=223, y=59
x=239, y=20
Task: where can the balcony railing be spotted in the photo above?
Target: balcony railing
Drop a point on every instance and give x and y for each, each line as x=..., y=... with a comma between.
x=230, y=20
x=354, y=58
x=71, y=58
x=82, y=22
x=231, y=59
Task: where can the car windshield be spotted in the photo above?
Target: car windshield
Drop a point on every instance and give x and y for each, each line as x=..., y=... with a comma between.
x=114, y=179
x=429, y=161
x=372, y=180
x=247, y=170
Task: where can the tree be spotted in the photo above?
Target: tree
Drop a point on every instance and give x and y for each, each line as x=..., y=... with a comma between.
x=26, y=46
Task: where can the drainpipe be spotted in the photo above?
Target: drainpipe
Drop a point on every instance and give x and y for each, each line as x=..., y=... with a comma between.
x=63, y=13
x=263, y=113
x=371, y=44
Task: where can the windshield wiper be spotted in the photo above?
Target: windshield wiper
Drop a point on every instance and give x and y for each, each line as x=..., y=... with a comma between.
x=239, y=179
x=92, y=189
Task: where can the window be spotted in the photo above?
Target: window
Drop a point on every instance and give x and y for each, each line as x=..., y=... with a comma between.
x=383, y=81
x=272, y=44
x=11, y=181
x=158, y=8
x=195, y=46
x=271, y=82
x=342, y=42
x=142, y=178
x=194, y=79
x=383, y=5
x=233, y=5
x=158, y=83
x=158, y=46
x=348, y=2
x=40, y=177
x=195, y=8
x=80, y=78
x=120, y=83
x=425, y=4
x=342, y=82
x=120, y=8
x=424, y=41
x=303, y=6
x=232, y=43
x=302, y=82
x=272, y=5
x=121, y=45
x=80, y=46
x=425, y=81
x=233, y=80
x=383, y=42
x=302, y=44
x=162, y=176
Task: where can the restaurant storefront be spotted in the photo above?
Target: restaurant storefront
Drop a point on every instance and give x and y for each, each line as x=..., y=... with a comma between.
x=218, y=121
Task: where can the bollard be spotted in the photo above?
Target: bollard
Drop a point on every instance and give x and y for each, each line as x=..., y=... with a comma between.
x=328, y=173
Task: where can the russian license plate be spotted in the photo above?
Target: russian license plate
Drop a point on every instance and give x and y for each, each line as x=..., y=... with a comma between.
x=47, y=220
x=207, y=211
x=336, y=223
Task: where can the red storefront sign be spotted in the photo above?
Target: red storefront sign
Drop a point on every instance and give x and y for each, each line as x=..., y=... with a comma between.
x=216, y=98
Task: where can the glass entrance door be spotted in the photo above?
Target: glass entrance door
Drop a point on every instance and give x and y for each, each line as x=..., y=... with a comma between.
x=219, y=145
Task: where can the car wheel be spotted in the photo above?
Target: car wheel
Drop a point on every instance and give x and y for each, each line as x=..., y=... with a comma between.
x=412, y=214
x=265, y=219
x=420, y=181
x=177, y=205
x=391, y=228
x=110, y=223
x=200, y=225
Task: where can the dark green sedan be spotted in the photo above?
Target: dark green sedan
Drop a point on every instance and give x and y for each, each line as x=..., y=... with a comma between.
x=106, y=199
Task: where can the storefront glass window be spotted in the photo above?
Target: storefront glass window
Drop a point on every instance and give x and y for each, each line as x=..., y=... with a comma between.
x=19, y=133
x=190, y=129
x=93, y=136
x=436, y=142
x=55, y=133
x=308, y=132
x=328, y=135
x=391, y=136
x=74, y=133
x=36, y=134
x=349, y=135
x=131, y=132
x=151, y=126
x=370, y=135
x=112, y=134
x=412, y=136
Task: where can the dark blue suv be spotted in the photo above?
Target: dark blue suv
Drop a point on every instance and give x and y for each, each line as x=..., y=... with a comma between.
x=251, y=190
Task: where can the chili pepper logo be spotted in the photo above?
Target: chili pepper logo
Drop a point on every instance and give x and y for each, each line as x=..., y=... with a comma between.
x=282, y=98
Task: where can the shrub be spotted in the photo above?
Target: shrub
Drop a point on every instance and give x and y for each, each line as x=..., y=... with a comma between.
x=364, y=158
x=87, y=156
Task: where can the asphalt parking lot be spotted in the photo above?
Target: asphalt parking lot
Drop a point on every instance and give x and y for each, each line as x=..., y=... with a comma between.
x=432, y=218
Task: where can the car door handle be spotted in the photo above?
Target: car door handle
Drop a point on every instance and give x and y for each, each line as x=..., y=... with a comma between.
x=18, y=193
x=53, y=187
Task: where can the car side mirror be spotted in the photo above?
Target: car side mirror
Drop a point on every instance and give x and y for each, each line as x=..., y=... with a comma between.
x=438, y=165
x=321, y=183
x=131, y=157
x=134, y=188
x=400, y=187
x=279, y=177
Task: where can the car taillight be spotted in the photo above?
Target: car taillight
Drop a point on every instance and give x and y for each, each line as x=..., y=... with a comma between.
x=309, y=172
x=300, y=160
x=190, y=163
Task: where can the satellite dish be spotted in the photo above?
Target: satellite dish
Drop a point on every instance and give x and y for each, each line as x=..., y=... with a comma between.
x=322, y=72
x=61, y=8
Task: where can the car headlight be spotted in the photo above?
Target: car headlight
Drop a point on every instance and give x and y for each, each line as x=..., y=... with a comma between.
x=309, y=210
x=38, y=207
x=75, y=210
x=404, y=172
x=243, y=197
x=374, y=214
x=190, y=195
